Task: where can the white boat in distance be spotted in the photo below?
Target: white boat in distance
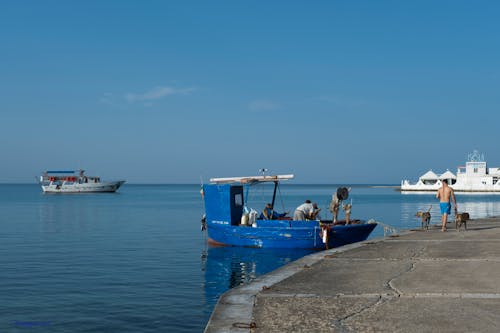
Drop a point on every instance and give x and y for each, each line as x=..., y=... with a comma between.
x=75, y=182
x=475, y=176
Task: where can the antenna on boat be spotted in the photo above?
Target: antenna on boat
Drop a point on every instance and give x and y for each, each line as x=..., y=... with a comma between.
x=263, y=171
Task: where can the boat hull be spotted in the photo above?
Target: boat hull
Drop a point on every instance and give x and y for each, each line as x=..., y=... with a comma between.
x=288, y=234
x=104, y=187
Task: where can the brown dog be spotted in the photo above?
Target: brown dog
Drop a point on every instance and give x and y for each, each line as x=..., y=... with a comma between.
x=425, y=217
x=461, y=218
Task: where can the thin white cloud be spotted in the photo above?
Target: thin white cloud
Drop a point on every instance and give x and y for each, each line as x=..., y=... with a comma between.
x=263, y=105
x=147, y=98
x=341, y=101
x=107, y=98
x=157, y=93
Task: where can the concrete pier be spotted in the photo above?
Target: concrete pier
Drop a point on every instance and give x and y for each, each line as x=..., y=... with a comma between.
x=420, y=281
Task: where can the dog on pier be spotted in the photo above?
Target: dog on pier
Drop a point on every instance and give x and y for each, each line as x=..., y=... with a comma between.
x=461, y=218
x=425, y=218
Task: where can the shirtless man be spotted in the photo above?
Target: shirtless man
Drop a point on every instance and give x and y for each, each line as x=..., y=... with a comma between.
x=445, y=194
x=334, y=206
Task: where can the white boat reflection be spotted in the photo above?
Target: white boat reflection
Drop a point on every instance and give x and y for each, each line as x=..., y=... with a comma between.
x=478, y=206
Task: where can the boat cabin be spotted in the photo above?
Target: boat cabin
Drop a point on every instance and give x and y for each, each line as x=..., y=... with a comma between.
x=226, y=198
x=67, y=177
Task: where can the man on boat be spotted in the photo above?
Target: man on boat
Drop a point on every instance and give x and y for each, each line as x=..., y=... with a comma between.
x=341, y=194
x=316, y=211
x=445, y=194
x=270, y=214
x=306, y=211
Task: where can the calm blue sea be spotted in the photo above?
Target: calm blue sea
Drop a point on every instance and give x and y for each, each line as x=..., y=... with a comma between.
x=136, y=260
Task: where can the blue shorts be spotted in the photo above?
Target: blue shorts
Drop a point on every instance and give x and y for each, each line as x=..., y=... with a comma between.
x=445, y=208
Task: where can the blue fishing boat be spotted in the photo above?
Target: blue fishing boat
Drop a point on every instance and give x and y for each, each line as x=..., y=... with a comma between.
x=229, y=220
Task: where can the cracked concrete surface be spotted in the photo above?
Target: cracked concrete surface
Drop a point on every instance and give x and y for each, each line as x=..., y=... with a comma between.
x=419, y=282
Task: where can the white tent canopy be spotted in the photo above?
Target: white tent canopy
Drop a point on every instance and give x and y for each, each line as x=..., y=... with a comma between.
x=448, y=175
x=429, y=175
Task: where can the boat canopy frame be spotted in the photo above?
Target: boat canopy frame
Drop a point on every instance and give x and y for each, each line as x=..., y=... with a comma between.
x=252, y=180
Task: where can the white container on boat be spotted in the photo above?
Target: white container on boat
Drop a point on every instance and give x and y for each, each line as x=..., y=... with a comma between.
x=244, y=219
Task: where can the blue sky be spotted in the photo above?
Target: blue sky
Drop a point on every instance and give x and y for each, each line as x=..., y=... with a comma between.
x=168, y=92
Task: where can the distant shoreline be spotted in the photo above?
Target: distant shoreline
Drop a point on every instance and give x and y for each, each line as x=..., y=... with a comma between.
x=370, y=185
x=386, y=186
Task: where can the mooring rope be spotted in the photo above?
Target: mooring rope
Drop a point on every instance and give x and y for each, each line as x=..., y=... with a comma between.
x=387, y=228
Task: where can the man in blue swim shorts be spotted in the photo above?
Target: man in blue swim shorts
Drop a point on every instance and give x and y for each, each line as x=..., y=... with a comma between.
x=445, y=194
x=445, y=208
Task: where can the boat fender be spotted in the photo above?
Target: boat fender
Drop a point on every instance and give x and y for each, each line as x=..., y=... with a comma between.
x=325, y=236
x=326, y=232
x=244, y=219
x=252, y=216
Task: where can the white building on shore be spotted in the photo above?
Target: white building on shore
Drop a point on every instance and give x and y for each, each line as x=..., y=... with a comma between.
x=475, y=176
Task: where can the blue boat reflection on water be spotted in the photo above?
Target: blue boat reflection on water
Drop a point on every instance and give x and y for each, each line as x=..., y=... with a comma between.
x=227, y=267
